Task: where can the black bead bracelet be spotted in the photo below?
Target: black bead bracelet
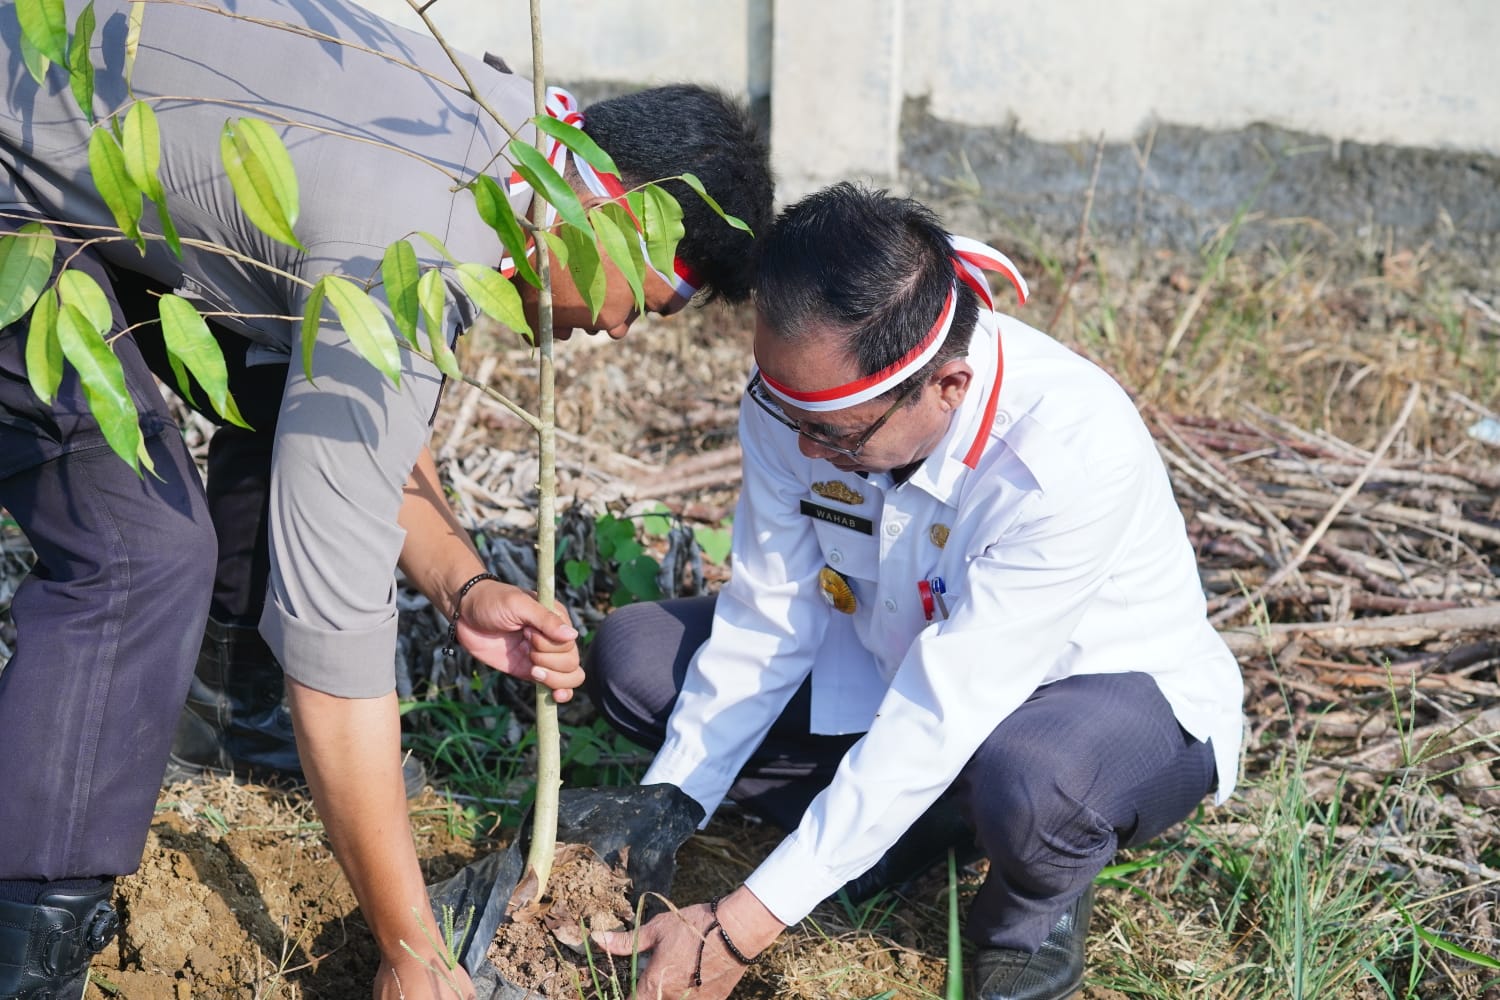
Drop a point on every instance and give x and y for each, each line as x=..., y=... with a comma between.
x=458, y=603
x=734, y=951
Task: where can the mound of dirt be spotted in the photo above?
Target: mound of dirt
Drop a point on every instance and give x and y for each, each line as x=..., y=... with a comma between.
x=239, y=896
x=541, y=944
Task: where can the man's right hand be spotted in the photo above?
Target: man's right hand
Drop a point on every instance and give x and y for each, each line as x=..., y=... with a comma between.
x=505, y=628
x=409, y=978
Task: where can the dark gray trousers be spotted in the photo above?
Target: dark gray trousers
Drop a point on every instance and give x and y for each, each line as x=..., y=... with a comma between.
x=109, y=621
x=1087, y=765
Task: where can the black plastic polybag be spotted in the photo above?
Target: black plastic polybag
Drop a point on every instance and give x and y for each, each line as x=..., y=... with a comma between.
x=652, y=820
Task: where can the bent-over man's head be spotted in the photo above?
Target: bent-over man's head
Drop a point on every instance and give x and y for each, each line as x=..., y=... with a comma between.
x=666, y=132
x=862, y=328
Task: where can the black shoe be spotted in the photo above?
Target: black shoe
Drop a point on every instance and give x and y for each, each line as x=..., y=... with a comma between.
x=921, y=848
x=236, y=720
x=46, y=946
x=1053, y=973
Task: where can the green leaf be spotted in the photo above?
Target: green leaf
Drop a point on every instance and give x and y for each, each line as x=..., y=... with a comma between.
x=112, y=179
x=639, y=577
x=578, y=572
x=25, y=266
x=365, y=325
x=103, y=383
x=585, y=267
x=624, y=250
x=610, y=532
x=715, y=543
x=433, y=295
x=399, y=271
x=1444, y=945
x=189, y=341
x=184, y=381
x=168, y=229
x=658, y=522
x=80, y=68
x=36, y=63
x=557, y=246
x=437, y=245
x=142, y=147
x=79, y=290
x=44, y=363
x=663, y=223
x=693, y=182
x=133, y=37
x=955, y=985
x=312, y=319
x=494, y=296
x=45, y=24
x=546, y=181
x=264, y=181
x=494, y=209
x=579, y=142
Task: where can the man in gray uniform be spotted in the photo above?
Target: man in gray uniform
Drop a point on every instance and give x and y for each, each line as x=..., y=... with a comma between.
x=111, y=617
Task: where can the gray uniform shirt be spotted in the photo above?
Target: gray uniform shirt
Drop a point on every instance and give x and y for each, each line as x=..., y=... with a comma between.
x=379, y=147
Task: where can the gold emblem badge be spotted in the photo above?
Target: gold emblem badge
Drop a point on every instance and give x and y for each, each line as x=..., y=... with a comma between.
x=835, y=490
x=939, y=534
x=836, y=590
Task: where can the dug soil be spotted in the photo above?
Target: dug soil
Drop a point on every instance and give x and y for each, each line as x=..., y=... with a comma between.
x=239, y=898
x=541, y=944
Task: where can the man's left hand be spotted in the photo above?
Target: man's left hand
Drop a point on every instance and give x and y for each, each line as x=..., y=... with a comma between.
x=686, y=948
x=505, y=627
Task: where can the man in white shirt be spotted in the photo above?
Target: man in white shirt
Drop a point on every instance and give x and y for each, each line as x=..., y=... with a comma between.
x=959, y=571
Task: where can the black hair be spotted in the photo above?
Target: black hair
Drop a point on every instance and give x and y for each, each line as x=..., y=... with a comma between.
x=875, y=268
x=684, y=128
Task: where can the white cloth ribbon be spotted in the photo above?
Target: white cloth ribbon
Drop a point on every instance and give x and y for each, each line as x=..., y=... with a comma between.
x=970, y=260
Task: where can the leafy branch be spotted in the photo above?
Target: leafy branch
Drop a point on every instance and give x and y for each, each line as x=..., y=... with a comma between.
x=70, y=315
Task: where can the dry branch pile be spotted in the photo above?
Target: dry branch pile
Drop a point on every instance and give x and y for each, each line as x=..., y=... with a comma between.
x=1351, y=577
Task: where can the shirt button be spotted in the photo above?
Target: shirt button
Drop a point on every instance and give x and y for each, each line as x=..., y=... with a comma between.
x=890, y=605
x=893, y=529
x=835, y=557
x=1002, y=418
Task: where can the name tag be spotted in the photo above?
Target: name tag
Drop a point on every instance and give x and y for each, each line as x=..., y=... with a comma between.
x=842, y=518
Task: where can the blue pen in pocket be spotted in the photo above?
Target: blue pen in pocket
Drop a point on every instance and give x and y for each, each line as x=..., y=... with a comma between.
x=938, y=590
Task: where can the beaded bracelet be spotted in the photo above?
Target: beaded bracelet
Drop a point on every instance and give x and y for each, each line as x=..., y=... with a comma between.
x=458, y=603
x=734, y=951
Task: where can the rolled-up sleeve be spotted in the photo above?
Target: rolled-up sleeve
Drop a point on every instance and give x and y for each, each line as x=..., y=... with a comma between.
x=345, y=446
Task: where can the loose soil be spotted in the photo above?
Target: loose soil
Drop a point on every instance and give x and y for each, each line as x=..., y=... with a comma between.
x=238, y=896
x=541, y=943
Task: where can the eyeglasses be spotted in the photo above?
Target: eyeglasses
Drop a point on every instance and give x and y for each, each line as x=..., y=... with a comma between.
x=762, y=397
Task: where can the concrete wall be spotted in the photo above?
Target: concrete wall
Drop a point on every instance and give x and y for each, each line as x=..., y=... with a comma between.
x=837, y=71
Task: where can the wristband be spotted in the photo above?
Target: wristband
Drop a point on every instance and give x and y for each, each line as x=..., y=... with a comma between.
x=734, y=951
x=458, y=603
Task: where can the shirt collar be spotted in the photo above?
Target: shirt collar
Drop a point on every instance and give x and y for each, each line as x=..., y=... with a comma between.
x=943, y=471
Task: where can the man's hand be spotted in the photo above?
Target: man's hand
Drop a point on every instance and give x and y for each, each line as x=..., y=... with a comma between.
x=411, y=979
x=686, y=947
x=505, y=627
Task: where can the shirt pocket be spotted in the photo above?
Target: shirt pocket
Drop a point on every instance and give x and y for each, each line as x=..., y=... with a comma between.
x=849, y=551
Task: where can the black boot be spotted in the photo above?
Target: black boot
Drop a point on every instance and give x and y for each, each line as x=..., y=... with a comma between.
x=237, y=720
x=1053, y=972
x=46, y=946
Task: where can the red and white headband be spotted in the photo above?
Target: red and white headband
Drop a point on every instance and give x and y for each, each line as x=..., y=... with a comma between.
x=565, y=108
x=970, y=260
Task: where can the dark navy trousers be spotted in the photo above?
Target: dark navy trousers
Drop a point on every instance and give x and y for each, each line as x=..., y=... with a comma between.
x=1085, y=766
x=109, y=622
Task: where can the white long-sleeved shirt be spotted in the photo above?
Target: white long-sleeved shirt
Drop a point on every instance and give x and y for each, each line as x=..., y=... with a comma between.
x=1063, y=552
